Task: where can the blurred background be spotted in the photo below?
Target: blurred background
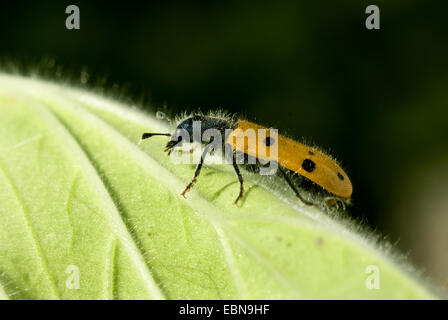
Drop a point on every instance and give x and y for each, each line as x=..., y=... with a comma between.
x=375, y=99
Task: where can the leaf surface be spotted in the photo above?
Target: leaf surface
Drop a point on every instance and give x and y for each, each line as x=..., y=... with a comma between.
x=81, y=200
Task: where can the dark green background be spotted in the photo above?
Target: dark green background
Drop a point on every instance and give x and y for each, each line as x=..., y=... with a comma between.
x=376, y=100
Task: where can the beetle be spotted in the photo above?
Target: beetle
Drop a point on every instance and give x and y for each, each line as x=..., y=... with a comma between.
x=294, y=159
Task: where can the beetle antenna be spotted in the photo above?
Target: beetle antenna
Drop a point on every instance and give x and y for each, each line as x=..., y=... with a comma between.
x=147, y=135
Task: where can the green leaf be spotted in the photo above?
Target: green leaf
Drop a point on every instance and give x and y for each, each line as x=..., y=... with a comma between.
x=80, y=197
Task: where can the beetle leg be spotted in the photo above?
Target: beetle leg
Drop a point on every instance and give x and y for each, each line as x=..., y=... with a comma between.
x=197, y=171
x=294, y=188
x=240, y=178
x=336, y=202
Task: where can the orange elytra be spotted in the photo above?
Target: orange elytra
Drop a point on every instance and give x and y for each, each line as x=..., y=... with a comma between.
x=297, y=157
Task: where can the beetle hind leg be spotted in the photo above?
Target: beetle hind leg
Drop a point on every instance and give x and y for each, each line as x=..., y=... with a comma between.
x=336, y=202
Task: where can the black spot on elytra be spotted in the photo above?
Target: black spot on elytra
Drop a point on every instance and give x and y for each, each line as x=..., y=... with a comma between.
x=308, y=165
x=311, y=153
x=340, y=176
x=268, y=141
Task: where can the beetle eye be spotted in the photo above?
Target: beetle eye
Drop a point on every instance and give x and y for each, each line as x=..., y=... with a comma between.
x=268, y=141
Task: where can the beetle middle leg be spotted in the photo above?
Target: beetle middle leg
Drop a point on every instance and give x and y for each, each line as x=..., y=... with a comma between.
x=285, y=175
x=240, y=178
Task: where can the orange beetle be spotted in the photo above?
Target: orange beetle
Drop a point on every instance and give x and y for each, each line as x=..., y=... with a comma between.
x=291, y=156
